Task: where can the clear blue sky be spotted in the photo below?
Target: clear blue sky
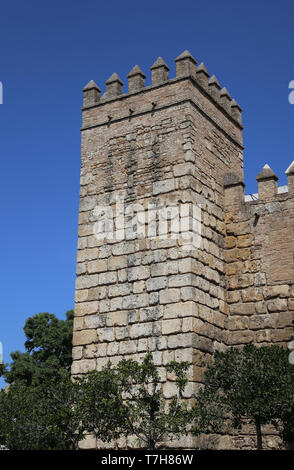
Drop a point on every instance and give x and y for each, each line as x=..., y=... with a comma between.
x=49, y=51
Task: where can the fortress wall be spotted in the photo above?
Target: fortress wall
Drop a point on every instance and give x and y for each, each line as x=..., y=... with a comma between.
x=260, y=268
x=161, y=155
x=168, y=144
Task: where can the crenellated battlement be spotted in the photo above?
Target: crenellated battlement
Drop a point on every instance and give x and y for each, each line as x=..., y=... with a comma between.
x=186, y=68
x=268, y=189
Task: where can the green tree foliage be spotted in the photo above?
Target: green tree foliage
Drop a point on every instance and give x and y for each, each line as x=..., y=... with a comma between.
x=253, y=383
x=208, y=415
x=127, y=400
x=40, y=417
x=38, y=409
x=48, y=351
x=44, y=409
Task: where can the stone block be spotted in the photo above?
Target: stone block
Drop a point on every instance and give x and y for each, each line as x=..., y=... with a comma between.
x=119, y=290
x=139, y=330
x=135, y=301
x=171, y=326
x=127, y=347
x=138, y=273
x=95, y=321
x=163, y=186
x=277, y=305
x=156, y=283
x=105, y=334
x=97, y=266
x=84, y=337
x=240, y=337
x=151, y=313
x=86, y=308
x=107, y=278
x=86, y=281
x=77, y=353
x=169, y=296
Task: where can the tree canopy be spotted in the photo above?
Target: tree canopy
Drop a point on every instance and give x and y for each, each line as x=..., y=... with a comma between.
x=253, y=383
x=48, y=350
x=44, y=409
x=127, y=400
x=40, y=417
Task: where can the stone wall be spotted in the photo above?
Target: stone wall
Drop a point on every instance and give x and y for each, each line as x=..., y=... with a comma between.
x=259, y=253
x=173, y=145
x=259, y=263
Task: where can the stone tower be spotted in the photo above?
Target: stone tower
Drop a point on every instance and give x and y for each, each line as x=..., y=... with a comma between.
x=166, y=257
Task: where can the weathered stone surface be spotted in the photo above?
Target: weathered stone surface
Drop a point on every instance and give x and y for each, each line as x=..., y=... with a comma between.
x=156, y=283
x=151, y=313
x=171, y=326
x=84, y=337
x=77, y=353
x=140, y=330
x=276, y=291
x=138, y=273
x=127, y=347
x=86, y=308
x=252, y=295
x=164, y=186
x=278, y=305
x=107, y=278
x=105, y=334
x=119, y=290
x=135, y=301
x=87, y=281
x=117, y=318
x=95, y=321
x=88, y=443
x=97, y=266
x=169, y=296
x=241, y=337
x=145, y=290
